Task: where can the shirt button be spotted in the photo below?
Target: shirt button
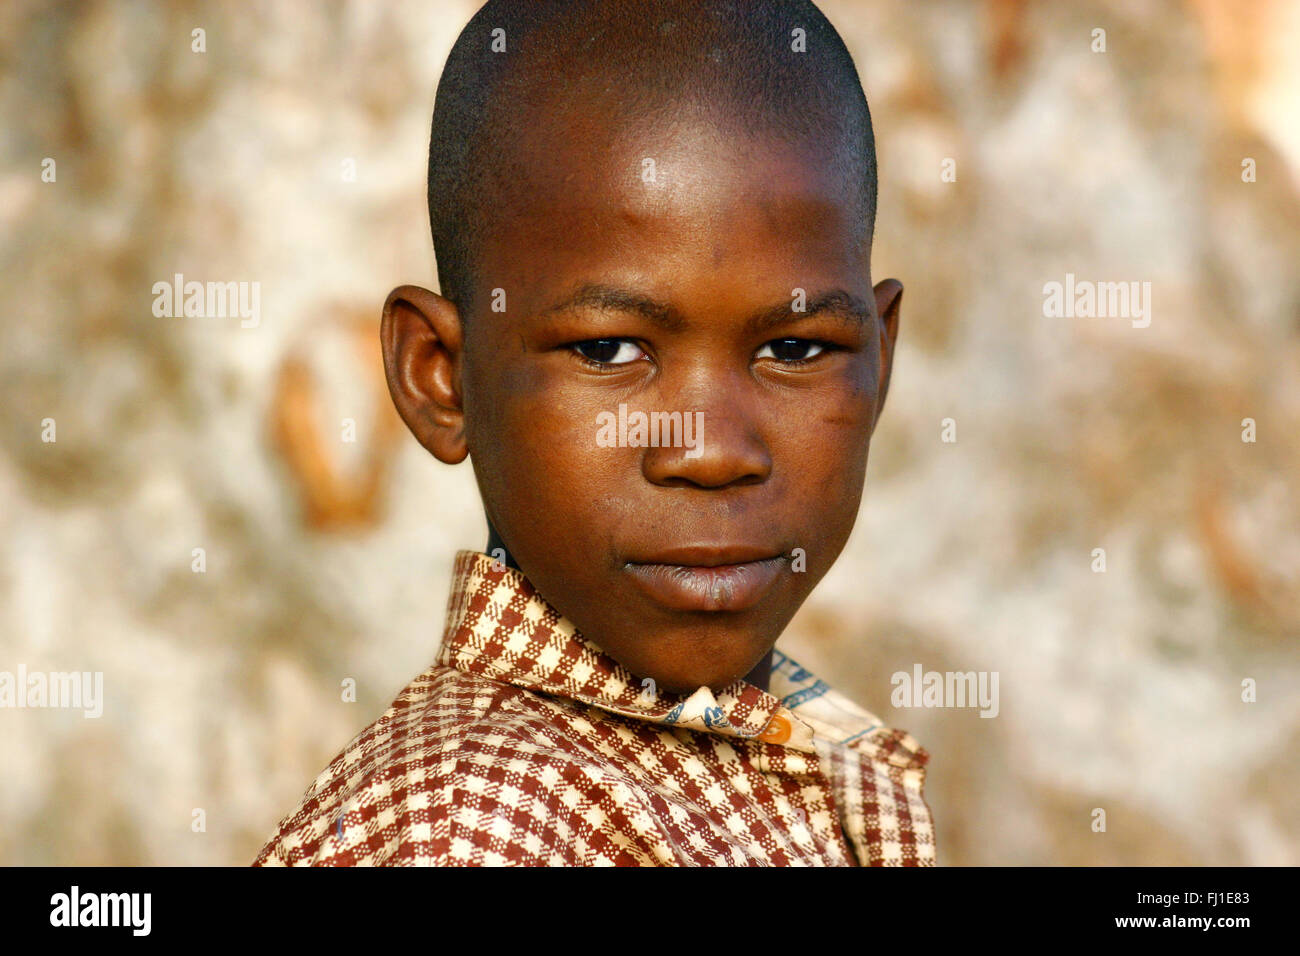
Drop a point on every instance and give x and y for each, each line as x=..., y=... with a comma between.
x=777, y=732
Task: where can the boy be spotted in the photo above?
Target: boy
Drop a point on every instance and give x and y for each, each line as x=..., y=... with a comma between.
x=658, y=339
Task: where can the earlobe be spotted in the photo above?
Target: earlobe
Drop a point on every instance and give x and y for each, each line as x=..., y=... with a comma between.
x=421, y=339
x=889, y=305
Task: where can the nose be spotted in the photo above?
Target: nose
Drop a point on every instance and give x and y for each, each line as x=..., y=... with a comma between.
x=722, y=444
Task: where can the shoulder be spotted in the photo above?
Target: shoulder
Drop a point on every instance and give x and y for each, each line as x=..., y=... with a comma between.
x=460, y=770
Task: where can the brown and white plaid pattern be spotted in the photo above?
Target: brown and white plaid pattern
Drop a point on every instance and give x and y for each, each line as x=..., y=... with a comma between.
x=525, y=744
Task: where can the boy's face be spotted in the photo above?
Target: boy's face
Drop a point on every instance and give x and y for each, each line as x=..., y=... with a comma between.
x=684, y=564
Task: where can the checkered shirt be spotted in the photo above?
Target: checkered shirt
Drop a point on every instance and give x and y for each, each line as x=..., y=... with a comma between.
x=525, y=744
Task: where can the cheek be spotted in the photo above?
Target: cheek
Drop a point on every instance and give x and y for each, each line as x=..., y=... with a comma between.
x=545, y=429
x=823, y=447
x=537, y=459
x=827, y=434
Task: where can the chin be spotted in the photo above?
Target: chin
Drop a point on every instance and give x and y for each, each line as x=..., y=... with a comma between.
x=686, y=689
x=709, y=664
x=683, y=652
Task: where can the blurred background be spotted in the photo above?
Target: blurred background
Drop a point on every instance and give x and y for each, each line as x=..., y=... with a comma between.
x=291, y=152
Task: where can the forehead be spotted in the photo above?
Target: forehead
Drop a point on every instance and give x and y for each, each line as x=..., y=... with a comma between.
x=672, y=191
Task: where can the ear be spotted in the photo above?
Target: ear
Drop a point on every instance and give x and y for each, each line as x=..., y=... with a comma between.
x=421, y=340
x=889, y=305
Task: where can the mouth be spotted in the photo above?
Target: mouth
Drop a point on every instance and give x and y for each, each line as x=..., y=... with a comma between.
x=708, y=578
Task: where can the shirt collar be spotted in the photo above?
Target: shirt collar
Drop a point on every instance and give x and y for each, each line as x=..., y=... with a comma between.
x=499, y=627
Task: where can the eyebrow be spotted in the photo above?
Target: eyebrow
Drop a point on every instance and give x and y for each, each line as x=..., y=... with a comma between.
x=836, y=302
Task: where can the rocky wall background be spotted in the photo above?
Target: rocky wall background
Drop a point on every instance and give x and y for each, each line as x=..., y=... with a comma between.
x=290, y=152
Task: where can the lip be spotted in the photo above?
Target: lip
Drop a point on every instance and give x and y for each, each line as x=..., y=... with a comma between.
x=707, y=578
x=708, y=555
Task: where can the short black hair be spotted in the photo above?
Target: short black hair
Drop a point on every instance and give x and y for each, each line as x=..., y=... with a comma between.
x=738, y=58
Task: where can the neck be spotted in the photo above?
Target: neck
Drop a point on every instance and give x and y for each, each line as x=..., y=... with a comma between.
x=761, y=675
x=494, y=544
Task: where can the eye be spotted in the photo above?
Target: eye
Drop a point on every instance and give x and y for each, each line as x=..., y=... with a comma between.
x=791, y=351
x=608, y=351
